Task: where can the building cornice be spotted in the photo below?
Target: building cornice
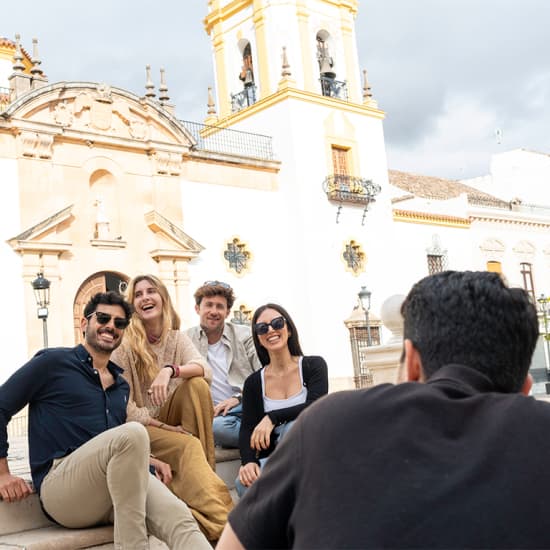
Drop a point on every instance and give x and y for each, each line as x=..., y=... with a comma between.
x=299, y=95
x=426, y=218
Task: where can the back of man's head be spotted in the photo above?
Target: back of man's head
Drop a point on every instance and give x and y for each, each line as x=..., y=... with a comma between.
x=472, y=318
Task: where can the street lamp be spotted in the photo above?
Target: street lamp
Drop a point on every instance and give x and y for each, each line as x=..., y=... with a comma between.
x=364, y=298
x=543, y=303
x=41, y=287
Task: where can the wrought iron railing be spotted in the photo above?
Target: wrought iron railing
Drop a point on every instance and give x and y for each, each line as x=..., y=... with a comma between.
x=334, y=88
x=232, y=142
x=243, y=99
x=350, y=189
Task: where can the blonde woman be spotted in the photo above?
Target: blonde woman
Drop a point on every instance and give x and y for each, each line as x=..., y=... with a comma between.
x=170, y=395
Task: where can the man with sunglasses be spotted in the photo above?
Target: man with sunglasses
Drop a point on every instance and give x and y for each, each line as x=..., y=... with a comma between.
x=229, y=350
x=88, y=466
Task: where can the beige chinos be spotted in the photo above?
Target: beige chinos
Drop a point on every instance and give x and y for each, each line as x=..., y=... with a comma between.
x=107, y=480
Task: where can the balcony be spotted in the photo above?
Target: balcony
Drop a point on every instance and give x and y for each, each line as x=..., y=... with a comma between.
x=243, y=99
x=334, y=88
x=231, y=142
x=350, y=189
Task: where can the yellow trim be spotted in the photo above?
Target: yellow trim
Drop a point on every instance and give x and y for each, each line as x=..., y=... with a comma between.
x=350, y=53
x=262, y=48
x=430, y=219
x=346, y=141
x=300, y=95
x=7, y=53
x=302, y=15
x=224, y=104
x=220, y=15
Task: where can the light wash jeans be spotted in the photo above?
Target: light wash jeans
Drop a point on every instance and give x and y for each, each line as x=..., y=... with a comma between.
x=280, y=432
x=226, y=428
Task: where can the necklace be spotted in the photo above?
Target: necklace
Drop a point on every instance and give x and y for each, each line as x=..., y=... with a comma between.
x=152, y=339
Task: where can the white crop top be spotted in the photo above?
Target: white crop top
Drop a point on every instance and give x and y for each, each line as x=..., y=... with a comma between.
x=296, y=399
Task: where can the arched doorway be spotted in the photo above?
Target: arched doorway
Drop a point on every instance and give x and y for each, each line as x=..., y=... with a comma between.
x=99, y=282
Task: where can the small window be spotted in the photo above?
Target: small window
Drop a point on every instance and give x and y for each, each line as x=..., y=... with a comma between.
x=340, y=161
x=494, y=267
x=527, y=274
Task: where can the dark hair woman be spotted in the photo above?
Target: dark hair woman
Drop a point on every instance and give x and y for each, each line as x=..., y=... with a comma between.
x=275, y=395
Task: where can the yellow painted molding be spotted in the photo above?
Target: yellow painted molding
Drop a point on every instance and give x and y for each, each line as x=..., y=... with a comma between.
x=221, y=15
x=431, y=219
x=262, y=49
x=300, y=95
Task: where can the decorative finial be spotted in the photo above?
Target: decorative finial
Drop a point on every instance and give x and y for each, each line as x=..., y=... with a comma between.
x=35, y=70
x=211, y=104
x=286, y=66
x=149, y=86
x=163, y=89
x=367, y=94
x=18, y=66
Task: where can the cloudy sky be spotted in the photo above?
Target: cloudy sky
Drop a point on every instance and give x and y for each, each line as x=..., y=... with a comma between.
x=448, y=73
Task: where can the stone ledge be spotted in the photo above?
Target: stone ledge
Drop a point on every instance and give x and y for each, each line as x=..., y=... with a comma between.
x=58, y=538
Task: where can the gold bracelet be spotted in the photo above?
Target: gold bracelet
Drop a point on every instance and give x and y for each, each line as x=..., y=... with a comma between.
x=161, y=425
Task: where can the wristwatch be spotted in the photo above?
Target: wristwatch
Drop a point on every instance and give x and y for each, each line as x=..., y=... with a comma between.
x=238, y=397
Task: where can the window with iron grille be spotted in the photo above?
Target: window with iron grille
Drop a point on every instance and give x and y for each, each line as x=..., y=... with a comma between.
x=436, y=263
x=527, y=274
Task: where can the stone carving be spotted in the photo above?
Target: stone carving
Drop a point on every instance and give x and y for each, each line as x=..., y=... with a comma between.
x=525, y=251
x=102, y=106
x=492, y=249
x=138, y=129
x=36, y=145
x=104, y=93
x=62, y=114
x=44, y=146
x=167, y=163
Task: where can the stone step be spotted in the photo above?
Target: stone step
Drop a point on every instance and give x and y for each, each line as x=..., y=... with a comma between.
x=55, y=537
x=24, y=525
x=228, y=462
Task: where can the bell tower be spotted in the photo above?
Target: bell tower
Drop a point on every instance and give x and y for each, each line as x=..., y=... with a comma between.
x=289, y=70
x=249, y=37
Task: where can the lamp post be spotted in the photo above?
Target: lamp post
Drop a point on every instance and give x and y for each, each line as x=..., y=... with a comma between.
x=543, y=306
x=364, y=298
x=41, y=287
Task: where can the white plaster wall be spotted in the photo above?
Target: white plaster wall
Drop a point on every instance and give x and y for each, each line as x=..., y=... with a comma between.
x=293, y=234
x=6, y=68
x=12, y=322
x=517, y=174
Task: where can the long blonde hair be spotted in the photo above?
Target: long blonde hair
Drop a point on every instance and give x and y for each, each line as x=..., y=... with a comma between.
x=135, y=336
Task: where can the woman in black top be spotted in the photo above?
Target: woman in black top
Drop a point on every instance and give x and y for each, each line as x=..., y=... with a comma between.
x=276, y=394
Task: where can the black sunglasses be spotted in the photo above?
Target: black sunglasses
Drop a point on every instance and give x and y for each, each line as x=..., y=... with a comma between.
x=216, y=283
x=103, y=318
x=276, y=324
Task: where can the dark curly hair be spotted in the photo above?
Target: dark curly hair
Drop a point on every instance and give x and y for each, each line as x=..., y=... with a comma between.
x=472, y=318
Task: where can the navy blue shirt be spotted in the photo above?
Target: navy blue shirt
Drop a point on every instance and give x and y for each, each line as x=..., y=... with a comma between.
x=67, y=404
